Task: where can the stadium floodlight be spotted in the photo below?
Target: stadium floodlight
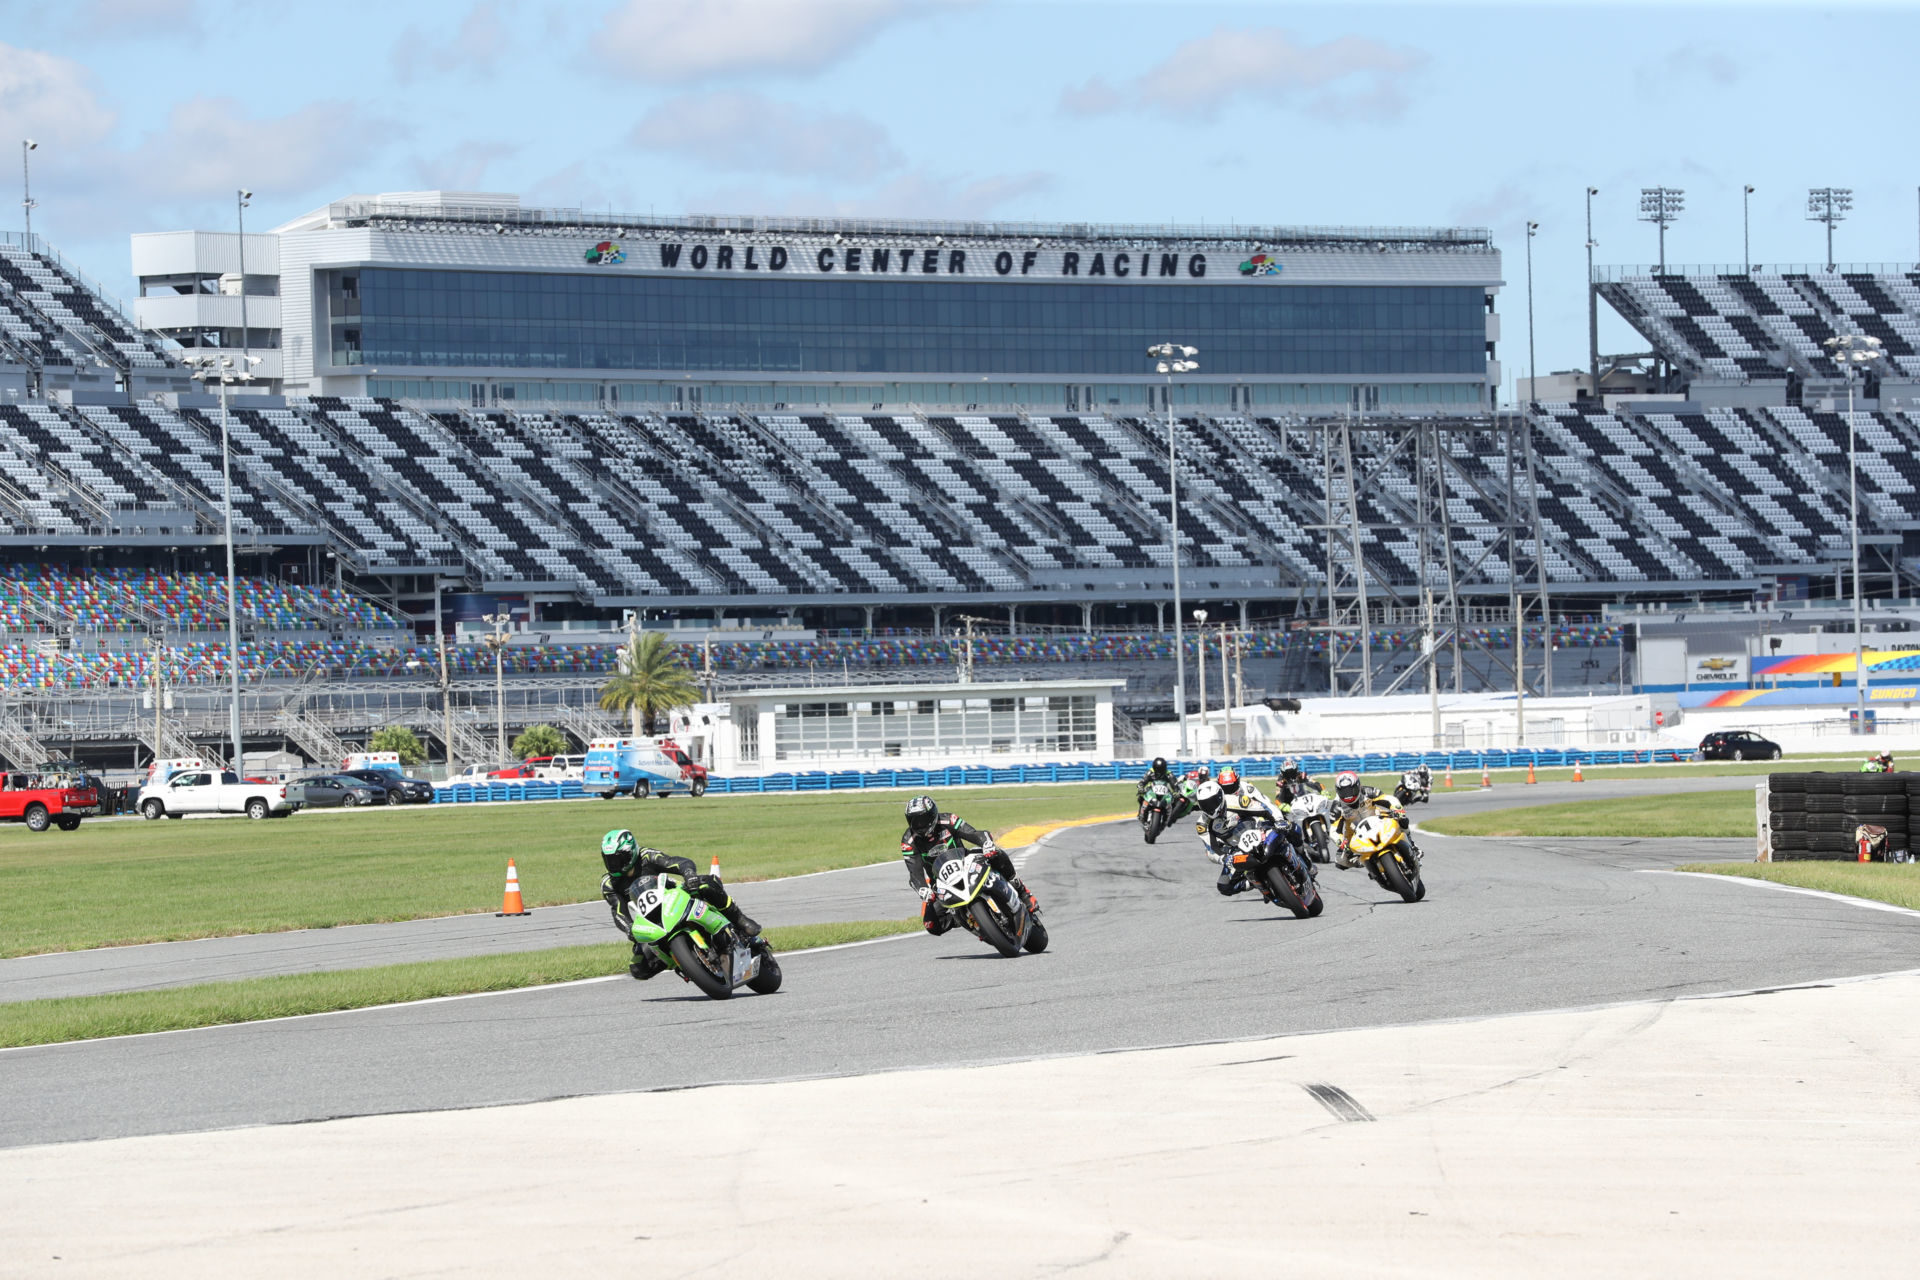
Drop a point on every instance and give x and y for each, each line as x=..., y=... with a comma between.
x=1830, y=205
x=1171, y=358
x=497, y=641
x=207, y=367
x=1746, y=241
x=1855, y=354
x=26, y=186
x=1533, y=392
x=1661, y=206
x=1593, y=302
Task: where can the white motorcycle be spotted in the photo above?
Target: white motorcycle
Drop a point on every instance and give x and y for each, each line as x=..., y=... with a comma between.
x=1415, y=786
x=1311, y=813
x=986, y=905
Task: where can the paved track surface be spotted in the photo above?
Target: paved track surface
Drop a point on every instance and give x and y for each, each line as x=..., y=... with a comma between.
x=1145, y=954
x=863, y=893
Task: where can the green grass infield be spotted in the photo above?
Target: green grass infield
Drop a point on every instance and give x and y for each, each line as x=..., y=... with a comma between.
x=1700, y=813
x=112, y=883
x=1890, y=882
x=210, y=1004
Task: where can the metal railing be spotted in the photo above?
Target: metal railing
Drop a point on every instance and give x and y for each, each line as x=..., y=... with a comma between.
x=1621, y=273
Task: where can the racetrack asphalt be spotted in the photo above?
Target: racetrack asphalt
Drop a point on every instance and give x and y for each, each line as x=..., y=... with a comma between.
x=1145, y=953
x=859, y=893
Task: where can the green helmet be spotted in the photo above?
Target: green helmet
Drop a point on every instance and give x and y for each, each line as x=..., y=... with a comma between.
x=617, y=850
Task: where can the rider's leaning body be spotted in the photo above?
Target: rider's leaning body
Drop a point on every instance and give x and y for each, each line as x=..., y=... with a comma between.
x=627, y=863
x=924, y=846
x=1216, y=817
x=1291, y=782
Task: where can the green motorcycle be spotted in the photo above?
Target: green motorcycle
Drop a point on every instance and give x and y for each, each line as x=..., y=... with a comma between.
x=695, y=939
x=1156, y=808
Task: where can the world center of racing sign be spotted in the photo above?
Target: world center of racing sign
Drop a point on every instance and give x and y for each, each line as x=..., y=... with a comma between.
x=939, y=260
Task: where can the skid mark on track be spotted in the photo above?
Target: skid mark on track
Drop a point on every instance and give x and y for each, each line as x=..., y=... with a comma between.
x=1341, y=1104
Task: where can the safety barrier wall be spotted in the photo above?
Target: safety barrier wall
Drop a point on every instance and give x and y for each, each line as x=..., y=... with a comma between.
x=1118, y=771
x=1815, y=815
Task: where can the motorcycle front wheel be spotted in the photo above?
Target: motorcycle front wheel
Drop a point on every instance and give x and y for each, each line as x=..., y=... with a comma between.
x=1155, y=824
x=1397, y=878
x=694, y=967
x=992, y=930
x=1319, y=847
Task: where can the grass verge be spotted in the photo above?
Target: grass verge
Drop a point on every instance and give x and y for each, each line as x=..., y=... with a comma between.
x=1699, y=813
x=251, y=1000
x=111, y=883
x=1890, y=882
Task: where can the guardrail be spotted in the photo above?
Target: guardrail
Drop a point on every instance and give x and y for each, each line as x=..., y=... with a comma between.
x=1255, y=767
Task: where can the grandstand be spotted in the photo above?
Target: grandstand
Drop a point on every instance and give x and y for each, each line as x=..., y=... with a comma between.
x=862, y=536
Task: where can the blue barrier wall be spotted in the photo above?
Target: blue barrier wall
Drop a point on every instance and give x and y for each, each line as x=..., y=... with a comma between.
x=1119, y=771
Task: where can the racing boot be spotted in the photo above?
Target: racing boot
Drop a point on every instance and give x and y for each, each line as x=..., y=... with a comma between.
x=643, y=965
x=1026, y=894
x=749, y=927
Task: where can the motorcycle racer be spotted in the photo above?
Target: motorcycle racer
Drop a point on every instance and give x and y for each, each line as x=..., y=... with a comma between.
x=1291, y=782
x=1351, y=801
x=1157, y=773
x=923, y=847
x=626, y=862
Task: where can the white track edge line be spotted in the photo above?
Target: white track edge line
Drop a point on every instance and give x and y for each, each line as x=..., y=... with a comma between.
x=1869, y=903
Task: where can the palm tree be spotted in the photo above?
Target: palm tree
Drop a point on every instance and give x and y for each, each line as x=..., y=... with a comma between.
x=650, y=679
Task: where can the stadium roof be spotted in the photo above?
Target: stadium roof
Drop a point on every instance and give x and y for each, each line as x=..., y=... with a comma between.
x=469, y=212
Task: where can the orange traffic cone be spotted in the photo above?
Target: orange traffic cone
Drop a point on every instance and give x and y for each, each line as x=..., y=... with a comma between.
x=714, y=870
x=510, y=904
x=1576, y=772
x=1530, y=778
x=1486, y=778
x=1449, y=777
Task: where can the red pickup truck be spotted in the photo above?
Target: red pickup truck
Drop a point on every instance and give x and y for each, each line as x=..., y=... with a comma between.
x=46, y=800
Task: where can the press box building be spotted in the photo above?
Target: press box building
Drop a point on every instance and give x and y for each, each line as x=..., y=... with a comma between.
x=472, y=299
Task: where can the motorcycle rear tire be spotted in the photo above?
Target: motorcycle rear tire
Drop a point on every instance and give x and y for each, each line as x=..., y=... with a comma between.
x=1283, y=892
x=1396, y=877
x=991, y=930
x=1037, y=938
x=1156, y=823
x=687, y=959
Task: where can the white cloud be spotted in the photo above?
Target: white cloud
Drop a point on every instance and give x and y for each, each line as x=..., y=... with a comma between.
x=464, y=168
x=682, y=41
x=750, y=133
x=1350, y=76
x=209, y=146
x=477, y=42
x=49, y=99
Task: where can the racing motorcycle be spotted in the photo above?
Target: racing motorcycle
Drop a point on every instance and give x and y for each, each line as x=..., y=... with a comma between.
x=1381, y=841
x=991, y=909
x=695, y=940
x=1183, y=800
x=1269, y=861
x=1310, y=813
x=1156, y=810
x=1415, y=786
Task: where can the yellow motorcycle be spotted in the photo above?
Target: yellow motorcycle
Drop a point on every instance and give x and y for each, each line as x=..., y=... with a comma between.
x=1380, y=838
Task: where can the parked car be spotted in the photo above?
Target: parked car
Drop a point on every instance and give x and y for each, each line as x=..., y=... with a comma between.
x=513, y=771
x=210, y=791
x=558, y=768
x=43, y=800
x=390, y=787
x=1738, y=744
x=330, y=791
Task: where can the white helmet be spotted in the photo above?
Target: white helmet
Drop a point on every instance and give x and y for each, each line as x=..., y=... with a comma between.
x=1209, y=797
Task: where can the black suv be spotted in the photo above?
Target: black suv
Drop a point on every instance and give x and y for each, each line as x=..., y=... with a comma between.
x=393, y=788
x=1738, y=744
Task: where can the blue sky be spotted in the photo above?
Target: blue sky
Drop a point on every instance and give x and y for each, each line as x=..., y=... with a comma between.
x=150, y=112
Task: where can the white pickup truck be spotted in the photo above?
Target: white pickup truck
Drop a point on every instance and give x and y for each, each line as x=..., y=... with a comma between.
x=210, y=790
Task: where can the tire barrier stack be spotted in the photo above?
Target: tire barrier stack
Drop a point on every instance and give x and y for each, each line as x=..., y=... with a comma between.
x=1816, y=815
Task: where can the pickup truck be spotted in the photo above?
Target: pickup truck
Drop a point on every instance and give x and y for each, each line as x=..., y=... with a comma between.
x=46, y=800
x=212, y=791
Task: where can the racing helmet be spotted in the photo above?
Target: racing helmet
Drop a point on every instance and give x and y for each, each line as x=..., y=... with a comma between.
x=1209, y=797
x=922, y=813
x=1289, y=769
x=1159, y=766
x=1201, y=772
x=1347, y=787
x=1886, y=760
x=617, y=850
x=1230, y=780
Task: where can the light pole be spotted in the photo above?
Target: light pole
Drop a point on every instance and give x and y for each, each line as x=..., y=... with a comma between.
x=240, y=216
x=1200, y=616
x=1171, y=358
x=26, y=187
x=207, y=367
x=1746, y=225
x=1661, y=206
x=1855, y=354
x=1533, y=373
x=1831, y=206
x=1593, y=303
x=496, y=640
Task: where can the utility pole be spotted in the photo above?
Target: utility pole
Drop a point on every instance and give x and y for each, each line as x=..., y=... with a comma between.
x=1226, y=692
x=446, y=682
x=1593, y=305
x=26, y=187
x=1200, y=637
